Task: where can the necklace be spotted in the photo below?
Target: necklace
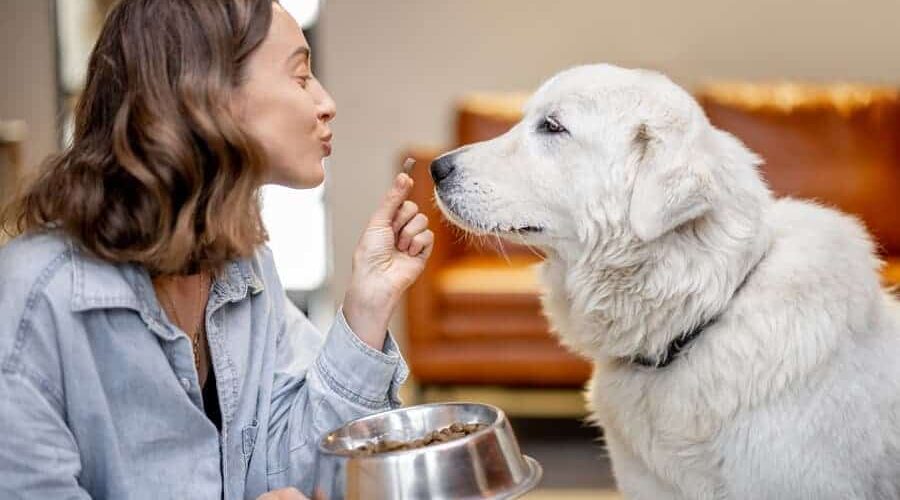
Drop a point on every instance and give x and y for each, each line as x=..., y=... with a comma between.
x=196, y=333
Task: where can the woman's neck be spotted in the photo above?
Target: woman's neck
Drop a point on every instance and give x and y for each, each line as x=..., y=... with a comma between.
x=183, y=296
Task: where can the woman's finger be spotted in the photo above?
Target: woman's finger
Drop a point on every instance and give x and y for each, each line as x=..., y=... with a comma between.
x=396, y=196
x=422, y=242
x=415, y=226
x=283, y=494
x=407, y=211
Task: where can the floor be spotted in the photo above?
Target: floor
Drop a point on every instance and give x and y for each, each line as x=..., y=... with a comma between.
x=572, y=456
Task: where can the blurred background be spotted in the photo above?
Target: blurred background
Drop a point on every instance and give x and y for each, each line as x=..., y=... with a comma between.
x=811, y=85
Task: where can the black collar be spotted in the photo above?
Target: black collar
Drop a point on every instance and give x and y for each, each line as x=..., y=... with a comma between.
x=680, y=343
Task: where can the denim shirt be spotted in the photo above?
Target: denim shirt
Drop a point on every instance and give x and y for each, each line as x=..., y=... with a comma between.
x=99, y=396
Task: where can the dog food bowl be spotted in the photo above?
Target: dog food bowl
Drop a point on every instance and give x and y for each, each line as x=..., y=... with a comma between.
x=484, y=464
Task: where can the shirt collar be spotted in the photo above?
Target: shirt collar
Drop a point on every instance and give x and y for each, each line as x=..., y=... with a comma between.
x=238, y=278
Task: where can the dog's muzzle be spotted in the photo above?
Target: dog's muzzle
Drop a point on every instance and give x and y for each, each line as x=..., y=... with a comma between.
x=442, y=168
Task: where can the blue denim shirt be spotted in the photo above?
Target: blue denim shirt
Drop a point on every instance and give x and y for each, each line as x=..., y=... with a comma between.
x=99, y=395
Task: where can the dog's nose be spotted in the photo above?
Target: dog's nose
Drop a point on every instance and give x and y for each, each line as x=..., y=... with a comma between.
x=441, y=168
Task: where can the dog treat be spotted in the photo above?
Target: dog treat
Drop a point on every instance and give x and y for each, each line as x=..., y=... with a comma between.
x=454, y=431
x=408, y=165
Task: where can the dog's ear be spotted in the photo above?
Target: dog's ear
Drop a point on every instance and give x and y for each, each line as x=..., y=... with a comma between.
x=672, y=182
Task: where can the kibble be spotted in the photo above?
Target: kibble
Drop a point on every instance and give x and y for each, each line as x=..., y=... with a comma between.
x=408, y=165
x=454, y=431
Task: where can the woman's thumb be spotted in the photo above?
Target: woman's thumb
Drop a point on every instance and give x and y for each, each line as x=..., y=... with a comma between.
x=283, y=494
x=384, y=215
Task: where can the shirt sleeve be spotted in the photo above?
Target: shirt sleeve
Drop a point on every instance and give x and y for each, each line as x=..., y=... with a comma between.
x=38, y=454
x=322, y=382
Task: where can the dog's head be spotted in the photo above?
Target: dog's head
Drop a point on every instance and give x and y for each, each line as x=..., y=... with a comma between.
x=601, y=152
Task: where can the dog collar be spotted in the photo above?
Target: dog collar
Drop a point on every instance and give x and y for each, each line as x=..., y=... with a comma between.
x=675, y=347
x=683, y=341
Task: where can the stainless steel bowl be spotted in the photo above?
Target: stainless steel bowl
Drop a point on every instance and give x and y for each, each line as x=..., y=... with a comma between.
x=485, y=464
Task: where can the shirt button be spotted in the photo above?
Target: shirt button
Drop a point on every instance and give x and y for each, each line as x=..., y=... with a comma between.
x=186, y=383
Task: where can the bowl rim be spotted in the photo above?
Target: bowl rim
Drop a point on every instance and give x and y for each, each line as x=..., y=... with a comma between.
x=501, y=416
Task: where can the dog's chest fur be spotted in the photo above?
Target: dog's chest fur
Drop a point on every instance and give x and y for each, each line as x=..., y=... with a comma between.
x=677, y=426
x=669, y=431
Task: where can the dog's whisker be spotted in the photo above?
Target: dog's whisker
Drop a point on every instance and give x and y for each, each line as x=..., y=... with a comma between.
x=483, y=243
x=502, y=249
x=529, y=246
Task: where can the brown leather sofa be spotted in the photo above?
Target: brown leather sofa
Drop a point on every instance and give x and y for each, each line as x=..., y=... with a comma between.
x=474, y=316
x=836, y=144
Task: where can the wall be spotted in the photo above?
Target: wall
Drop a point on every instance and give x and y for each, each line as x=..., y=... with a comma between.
x=28, y=82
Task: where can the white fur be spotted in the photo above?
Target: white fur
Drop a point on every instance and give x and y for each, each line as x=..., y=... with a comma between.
x=651, y=218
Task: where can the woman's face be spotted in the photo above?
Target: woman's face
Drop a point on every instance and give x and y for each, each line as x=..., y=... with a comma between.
x=284, y=107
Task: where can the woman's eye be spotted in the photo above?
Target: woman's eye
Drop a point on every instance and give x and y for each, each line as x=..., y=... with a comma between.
x=302, y=80
x=552, y=126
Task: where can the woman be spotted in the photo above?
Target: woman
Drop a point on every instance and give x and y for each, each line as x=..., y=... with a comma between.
x=147, y=348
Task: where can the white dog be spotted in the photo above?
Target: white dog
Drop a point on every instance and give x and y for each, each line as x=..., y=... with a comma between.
x=743, y=346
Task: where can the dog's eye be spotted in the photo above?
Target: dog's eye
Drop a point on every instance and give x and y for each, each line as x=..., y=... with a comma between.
x=550, y=125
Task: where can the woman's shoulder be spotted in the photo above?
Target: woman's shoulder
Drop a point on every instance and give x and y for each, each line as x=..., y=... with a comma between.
x=35, y=288
x=49, y=270
x=32, y=259
x=34, y=247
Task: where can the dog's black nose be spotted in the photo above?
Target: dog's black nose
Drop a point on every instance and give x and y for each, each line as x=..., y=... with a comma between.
x=442, y=168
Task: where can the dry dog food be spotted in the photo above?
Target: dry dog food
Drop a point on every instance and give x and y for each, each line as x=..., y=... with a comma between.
x=454, y=431
x=408, y=165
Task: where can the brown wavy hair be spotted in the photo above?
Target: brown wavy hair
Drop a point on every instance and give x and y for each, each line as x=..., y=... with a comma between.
x=160, y=172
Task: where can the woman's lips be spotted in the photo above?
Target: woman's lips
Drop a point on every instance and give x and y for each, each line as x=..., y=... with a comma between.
x=326, y=143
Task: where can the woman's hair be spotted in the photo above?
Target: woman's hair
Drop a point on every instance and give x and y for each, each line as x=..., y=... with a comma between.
x=160, y=172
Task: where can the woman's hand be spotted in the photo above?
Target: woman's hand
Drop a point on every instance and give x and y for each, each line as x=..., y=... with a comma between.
x=390, y=256
x=283, y=494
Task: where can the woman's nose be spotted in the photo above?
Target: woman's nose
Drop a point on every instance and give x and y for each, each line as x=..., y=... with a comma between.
x=327, y=107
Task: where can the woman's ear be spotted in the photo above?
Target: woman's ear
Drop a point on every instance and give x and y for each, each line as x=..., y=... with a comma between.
x=673, y=182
